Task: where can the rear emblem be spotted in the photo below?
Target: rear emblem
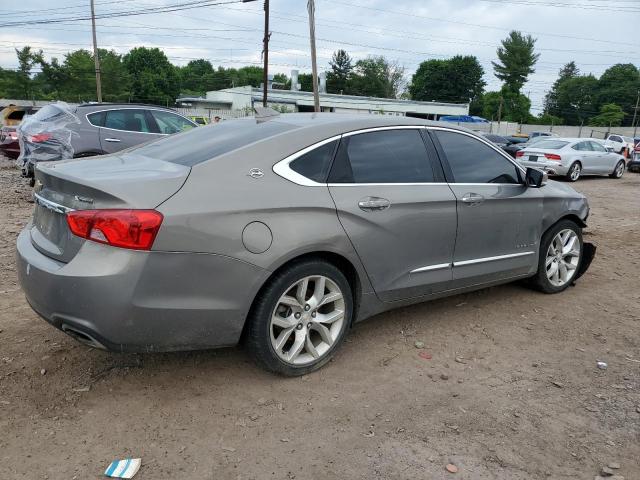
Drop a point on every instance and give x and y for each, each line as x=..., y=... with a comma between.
x=83, y=199
x=256, y=173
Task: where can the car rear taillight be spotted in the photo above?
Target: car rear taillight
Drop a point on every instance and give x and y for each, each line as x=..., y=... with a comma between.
x=519, y=153
x=39, y=137
x=552, y=156
x=135, y=229
x=13, y=135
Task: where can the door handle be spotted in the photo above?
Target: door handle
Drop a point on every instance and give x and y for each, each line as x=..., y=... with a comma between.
x=113, y=140
x=372, y=204
x=472, y=198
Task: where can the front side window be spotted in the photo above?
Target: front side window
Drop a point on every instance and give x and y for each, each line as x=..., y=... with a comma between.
x=388, y=156
x=472, y=161
x=169, y=123
x=130, y=120
x=315, y=164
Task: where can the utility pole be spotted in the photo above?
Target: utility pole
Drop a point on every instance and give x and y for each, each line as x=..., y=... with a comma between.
x=265, y=52
x=500, y=110
x=635, y=114
x=95, y=54
x=314, y=67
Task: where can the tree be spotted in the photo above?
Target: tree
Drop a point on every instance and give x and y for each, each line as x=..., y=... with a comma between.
x=548, y=119
x=570, y=70
x=575, y=99
x=515, y=106
x=341, y=69
x=195, y=76
x=517, y=58
x=611, y=115
x=19, y=84
x=376, y=77
x=153, y=78
x=619, y=85
x=458, y=79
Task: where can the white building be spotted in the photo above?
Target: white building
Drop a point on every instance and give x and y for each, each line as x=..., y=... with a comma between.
x=245, y=98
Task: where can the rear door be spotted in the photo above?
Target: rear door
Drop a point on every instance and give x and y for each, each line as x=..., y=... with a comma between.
x=126, y=127
x=606, y=160
x=588, y=158
x=396, y=209
x=499, y=218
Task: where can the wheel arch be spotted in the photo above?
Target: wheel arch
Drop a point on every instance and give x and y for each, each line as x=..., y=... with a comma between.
x=341, y=262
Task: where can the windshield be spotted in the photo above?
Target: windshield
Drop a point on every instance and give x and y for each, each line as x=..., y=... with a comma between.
x=551, y=144
x=200, y=144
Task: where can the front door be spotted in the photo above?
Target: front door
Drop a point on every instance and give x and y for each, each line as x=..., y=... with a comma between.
x=126, y=127
x=499, y=218
x=397, y=210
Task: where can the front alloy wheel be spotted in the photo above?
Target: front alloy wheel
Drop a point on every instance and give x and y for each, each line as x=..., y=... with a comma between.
x=563, y=256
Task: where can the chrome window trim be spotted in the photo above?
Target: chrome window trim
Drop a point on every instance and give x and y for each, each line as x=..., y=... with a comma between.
x=86, y=115
x=491, y=259
x=429, y=268
x=282, y=169
x=53, y=206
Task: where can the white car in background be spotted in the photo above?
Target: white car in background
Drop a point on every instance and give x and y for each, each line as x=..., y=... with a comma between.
x=619, y=143
x=572, y=157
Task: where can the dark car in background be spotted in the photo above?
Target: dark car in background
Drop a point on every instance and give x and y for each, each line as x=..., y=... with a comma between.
x=9, y=144
x=103, y=128
x=497, y=140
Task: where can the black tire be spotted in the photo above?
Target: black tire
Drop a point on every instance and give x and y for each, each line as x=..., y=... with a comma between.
x=258, y=335
x=32, y=182
x=617, y=172
x=570, y=174
x=540, y=281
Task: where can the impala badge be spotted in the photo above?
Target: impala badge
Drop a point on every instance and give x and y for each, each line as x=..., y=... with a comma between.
x=256, y=173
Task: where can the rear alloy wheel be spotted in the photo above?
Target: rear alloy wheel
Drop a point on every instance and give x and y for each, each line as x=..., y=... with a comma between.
x=560, y=256
x=574, y=172
x=619, y=170
x=300, y=318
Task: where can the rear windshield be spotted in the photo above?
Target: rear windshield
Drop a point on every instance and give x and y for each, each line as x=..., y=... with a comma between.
x=203, y=143
x=551, y=144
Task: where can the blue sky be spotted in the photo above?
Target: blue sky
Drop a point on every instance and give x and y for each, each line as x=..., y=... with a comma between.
x=594, y=33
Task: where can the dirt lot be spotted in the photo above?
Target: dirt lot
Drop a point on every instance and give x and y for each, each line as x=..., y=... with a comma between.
x=512, y=390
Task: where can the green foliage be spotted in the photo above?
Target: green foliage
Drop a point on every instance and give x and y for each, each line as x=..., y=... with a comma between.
x=376, y=77
x=516, y=60
x=458, y=79
x=610, y=115
x=548, y=119
x=619, y=85
x=153, y=77
x=515, y=106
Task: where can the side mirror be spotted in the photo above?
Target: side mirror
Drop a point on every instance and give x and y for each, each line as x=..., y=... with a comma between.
x=609, y=148
x=536, y=178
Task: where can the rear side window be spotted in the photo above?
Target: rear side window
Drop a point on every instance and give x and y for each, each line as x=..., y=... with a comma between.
x=130, y=120
x=596, y=147
x=96, y=119
x=582, y=146
x=472, y=161
x=315, y=164
x=388, y=156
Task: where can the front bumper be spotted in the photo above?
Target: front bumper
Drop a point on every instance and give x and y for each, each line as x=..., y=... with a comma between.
x=134, y=301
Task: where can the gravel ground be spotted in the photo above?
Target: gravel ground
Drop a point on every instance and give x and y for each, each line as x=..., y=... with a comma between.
x=511, y=390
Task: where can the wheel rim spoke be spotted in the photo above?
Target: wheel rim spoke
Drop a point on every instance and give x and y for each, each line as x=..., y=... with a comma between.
x=324, y=332
x=310, y=347
x=290, y=301
x=297, y=346
x=283, y=322
x=330, y=297
x=282, y=338
x=329, y=318
x=301, y=291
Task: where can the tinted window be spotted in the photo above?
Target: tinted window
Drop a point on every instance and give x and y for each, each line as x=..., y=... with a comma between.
x=551, y=144
x=614, y=138
x=201, y=144
x=495, y=138
x=315, y=164
x=597, y=147
x=96, y=119
x=131, y=120
x=391, y=156
x=169, y=123
x=472, y=161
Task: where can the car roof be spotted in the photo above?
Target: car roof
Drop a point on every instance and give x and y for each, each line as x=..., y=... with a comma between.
x=108, y=106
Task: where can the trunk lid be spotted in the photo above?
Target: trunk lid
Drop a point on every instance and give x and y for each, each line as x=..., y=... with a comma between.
x=116, y=181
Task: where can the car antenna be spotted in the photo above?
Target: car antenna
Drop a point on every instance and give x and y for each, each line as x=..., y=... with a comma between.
x=265, y=113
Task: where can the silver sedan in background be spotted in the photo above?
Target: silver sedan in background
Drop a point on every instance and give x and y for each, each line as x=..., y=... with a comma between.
x=572, y=157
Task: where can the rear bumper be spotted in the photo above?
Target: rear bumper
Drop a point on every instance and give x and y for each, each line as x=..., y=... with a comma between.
x=135, y=301
x=552, y=168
